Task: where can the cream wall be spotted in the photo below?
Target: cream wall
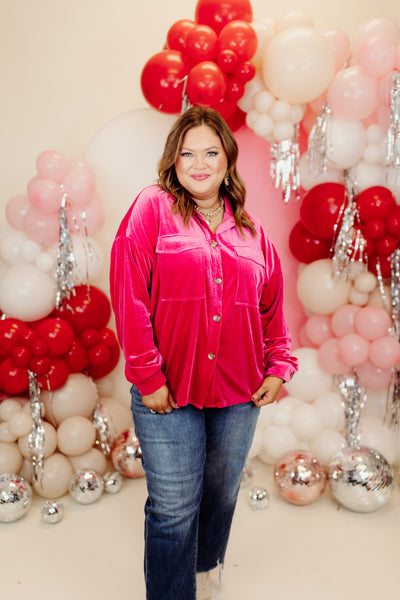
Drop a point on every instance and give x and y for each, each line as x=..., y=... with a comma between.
x=69, y=67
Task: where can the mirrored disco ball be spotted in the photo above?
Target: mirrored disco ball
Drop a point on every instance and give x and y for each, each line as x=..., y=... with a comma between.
x=300, y=477
x=15, y=497
x=86, y=487
x=126, y=455
x=360, y=478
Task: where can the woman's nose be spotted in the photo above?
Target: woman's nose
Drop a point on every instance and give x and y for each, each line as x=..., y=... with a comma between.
x=199, y=160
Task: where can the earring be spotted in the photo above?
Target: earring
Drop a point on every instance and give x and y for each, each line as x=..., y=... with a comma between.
x=226, y=180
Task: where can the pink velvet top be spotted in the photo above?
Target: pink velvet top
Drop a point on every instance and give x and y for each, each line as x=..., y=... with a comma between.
x=199, y=310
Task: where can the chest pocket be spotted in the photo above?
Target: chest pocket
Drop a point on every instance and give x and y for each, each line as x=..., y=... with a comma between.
x=250, y=275
x=180, y=268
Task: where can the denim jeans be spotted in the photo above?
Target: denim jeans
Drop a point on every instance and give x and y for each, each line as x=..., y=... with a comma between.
x=193, y=461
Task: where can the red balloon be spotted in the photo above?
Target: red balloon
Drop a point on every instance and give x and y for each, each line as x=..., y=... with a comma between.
x=240, y=37
x=39, y=348
x=237, y=120
x=206, y=84
x=90, y=337
x=385, y=265
x=393, y=224
x=226, y=108
x=320, y=209
x=234, y=89
x=99, y=370
x=21, y=356
x=40, y=365
x=376, y=202
x=374, y=229
x=99, y=355
x=227, y=60
x=245, y=71
x=305, y=247
x=386, y=245
x=201, y=44
x=55, y=377
x=77, y=357
x=88, y=308
x=12, y=333
x=217, y=14
x=161, y=80
x=57, y=333
x=13, y=379
x=177, y=33
x=108, y=337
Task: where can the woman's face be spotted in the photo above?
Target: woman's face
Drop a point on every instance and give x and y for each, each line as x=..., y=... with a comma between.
x=201, y=164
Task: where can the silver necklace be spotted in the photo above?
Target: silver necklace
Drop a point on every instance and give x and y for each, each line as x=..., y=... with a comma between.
x=209, y=215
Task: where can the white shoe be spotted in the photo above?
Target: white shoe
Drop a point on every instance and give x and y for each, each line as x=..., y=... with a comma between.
x=203, y=586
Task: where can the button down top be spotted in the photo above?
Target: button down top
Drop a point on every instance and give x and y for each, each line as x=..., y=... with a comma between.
x=213, y=243
x=218, y=280
x=163, y=291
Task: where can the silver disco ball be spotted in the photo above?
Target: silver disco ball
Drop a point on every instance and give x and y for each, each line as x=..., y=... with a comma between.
x=360, y=478
x=15, y=497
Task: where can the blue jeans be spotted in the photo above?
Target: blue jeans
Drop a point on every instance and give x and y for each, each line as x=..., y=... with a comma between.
x=193, y=461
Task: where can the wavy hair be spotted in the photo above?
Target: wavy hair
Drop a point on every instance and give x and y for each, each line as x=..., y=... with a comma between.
x=235, y=192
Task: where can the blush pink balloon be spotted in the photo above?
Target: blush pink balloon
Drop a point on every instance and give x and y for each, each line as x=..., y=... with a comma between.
x=384, y=352
x=372, y=322
x=377, y=56
x=342, y=321
x=305, y=341
x=16, y=209
x=318, y=329
x=341, y=45
x=80, y=187
x=51, y=164
x=42, y=229
x=86, y=220
x=353, y=349
x=329, y=359
x=45, y=195
x=373, y=377
x=381, y=26
x=352, y=94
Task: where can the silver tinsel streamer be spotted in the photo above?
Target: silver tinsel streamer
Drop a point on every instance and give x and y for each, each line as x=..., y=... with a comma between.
x=393, y=135
x=392, y=417
x=103, y=433
x=318, y=140
x=185, y=98
x=284, y=166
x=65, y=258
x=353, y=397
x=36, y=437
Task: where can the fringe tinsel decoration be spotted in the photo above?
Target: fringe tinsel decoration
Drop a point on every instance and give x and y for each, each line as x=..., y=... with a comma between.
x=36, y=437
x=103, y=434
x=185, y=98
x=393, y=135
x=392, y=417
x=353, y=398
x=318, y=140
x=65, y=258
x=284, y=166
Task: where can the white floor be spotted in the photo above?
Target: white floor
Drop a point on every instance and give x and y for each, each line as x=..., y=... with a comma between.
x=283, y=551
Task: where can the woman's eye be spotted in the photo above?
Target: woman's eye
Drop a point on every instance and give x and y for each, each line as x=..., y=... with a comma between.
x=212, y=153
x=186, y=154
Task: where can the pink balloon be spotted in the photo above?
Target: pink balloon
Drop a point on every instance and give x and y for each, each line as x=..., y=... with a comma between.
x=384, y=352
x=381, y=26
x=45, y=195
x=341, y=45
x=80, y=187
x=305, y=341
x=51, y=164
x=352, y=95
x=372, y=322
x=77, y=164
x=342, y=321
x=373, y=377
x=353, y=349
x=86, y=220
x=329, y=359
x=16, y=209
x=397, y=58
x=318, y=329
x=377, y=56
x=41, y=228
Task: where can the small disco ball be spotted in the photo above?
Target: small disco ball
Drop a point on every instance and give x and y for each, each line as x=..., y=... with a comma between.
x=15, y=497
x=112, y=482
x=300, y=477
x=86, y=486
x=126, y=455
x=360, y=478
x=52, y=511
x=258, y=498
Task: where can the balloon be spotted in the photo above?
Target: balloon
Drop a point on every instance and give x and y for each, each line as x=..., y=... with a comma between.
x=310, y=381
x=10, y=458
x=162, y=80
x=353, y=349
x=77, y=357
x=13, y=379
x=234, y=89
x=352, y=95
x=377, y=56
x=381, y=26
x=346, y=142
x=293, y=18
x=318, y=328
x=372, y=322
x=310, y=177
x=16, y=209
x=326, y=444
x=41, y=227
x=75, y=435
x=342, y=321
x=49, y=445
x=305, y=422
x=103, y=359
x=365, y=282
x=227, y=60
x=92, y=460
x=27, y=293
x=329, y=358
x=52, y=165
x=330, y=409
x=278, y=440
x=384, y=352
x=10, y=247
x=77, y=397
x=177, y=33
x=57, y=333
x=79, y=187
x=306, y=247
x=55, y=377
x=245, y=71
x=265, y=31
x=319, y=291
x=206, y=84
x=57, y=473
x=86, y=220
x=298, y=64
x=341, y=46
x=201, y=44
x=320, y=209
x=217, y=14
x=88, y=259
x=373, y=377
x=240, y=37
x=376, y=202
x=45, y=195
x=88, y=307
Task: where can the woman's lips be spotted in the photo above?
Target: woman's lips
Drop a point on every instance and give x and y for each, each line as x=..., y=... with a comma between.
x=201, y=177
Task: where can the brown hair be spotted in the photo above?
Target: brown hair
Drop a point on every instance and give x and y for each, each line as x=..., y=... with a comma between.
x=235, y=192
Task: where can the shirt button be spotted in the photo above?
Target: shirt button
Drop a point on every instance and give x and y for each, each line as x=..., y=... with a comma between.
x=216, y=318
x=211, y=356
x=214, y=244
x=218, y=280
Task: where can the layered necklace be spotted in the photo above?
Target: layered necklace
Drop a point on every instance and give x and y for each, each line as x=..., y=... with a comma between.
x=209, y=215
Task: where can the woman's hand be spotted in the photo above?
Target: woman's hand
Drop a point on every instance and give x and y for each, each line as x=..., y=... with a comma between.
x=268, y=391
x=160, y=401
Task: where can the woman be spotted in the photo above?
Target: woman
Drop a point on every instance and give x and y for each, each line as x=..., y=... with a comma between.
x=196, y=288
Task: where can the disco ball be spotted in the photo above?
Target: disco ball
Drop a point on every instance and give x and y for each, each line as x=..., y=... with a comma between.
x=15, y=497
x=300, y=477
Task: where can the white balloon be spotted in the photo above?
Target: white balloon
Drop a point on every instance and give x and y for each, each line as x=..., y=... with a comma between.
x=306, y=423
x=326, y=444
x=346, y=142
x=358, y=298
x=88, y=259
x=10, y=458
x=94, y=460
x=319, y=291
x=10, y=247
x=310, y=381
x=284, y=409
x=263, y=101
x=377, y=436
x=374, y=154
x=331, y=411
x=366, y=282
x=367, y=175
x=251, y=118
x=393, y=182
x=293, y=18
x=77, y=397
x=280, y=110
x=283, y=130
x=263, y=125
x=5, y=434
x=310, y=177
x=8, y=408
x=265, y=32
x=376, y=404
x=45, y=261
x=30, y=250
x=27, y=293
x=266, y=415
x=279, y=440
x=297, y=113
x=252, y=87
